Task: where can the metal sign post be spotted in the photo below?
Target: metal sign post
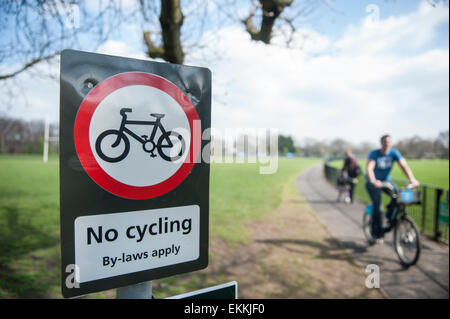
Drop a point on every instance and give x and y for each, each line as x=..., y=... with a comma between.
x=142, y=290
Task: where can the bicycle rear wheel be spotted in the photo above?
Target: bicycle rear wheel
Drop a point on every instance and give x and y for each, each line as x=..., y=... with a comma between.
x=407, y=241
x=174, y=148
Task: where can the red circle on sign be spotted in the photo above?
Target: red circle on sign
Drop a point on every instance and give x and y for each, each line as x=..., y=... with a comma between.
x=83, y=146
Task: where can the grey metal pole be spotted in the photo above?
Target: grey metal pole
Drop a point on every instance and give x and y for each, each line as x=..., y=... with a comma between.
x=437, y=233
x=424, y=207
x=142, y=290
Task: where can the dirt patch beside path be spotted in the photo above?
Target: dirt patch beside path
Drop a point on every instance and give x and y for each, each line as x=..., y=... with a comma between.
x=290, y=255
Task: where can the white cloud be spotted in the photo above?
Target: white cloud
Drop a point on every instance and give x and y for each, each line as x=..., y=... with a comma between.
x=357, y=87
x=33, y=94
x=122, y=49
x=404, y=33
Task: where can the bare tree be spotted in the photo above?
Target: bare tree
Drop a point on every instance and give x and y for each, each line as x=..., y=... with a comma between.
x=171, y=19
x=37, y=31
x=442, y=144
x=18, y=136
x=270, y=12
x=21, y=136
x=338, y=147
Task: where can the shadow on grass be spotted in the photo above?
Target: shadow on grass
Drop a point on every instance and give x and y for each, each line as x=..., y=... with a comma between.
x=284, y=277
x=18, y=238
x=329, y=249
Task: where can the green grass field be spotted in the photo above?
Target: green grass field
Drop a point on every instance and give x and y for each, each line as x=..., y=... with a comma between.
x=29, y=213
x=29, y=227
x=29, y=216
x=239, y=193
x=432, y=172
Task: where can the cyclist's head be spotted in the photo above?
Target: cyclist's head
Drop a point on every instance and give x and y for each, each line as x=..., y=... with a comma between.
x=386, y=142
x=348, y=152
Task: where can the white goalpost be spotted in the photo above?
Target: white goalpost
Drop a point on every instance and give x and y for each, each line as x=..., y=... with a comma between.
x=47, y=139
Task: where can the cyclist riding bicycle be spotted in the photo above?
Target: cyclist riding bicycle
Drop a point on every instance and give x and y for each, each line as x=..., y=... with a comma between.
x=349, y=173
x=378, y=170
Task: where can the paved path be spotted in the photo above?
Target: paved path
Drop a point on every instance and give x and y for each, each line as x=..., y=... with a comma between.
x=429, y=278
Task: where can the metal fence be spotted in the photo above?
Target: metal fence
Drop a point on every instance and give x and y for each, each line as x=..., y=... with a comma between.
x=431, y=215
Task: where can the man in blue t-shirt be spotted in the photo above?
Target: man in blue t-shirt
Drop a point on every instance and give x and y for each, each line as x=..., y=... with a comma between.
x=378, y=170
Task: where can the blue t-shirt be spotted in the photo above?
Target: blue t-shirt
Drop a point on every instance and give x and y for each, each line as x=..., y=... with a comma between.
x=384, y=163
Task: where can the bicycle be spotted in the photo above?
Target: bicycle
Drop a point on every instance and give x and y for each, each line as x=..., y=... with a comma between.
x=163, y=144
x=406, y=234
x=344, y=188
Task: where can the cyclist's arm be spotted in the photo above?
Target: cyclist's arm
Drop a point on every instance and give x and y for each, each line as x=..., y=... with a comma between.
x=407, y=171
x=371, y=174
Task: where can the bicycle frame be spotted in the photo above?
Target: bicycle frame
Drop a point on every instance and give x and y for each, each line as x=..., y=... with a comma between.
x=398, y=209
x=156, y=124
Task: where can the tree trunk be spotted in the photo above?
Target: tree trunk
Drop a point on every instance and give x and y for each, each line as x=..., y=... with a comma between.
x=171, y=20
x=271, y=11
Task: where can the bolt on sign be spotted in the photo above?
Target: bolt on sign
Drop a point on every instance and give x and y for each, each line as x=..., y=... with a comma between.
x=134, y=183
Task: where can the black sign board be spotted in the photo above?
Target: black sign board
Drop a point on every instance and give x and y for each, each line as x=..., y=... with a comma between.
x=134, y=170
x=224, y=291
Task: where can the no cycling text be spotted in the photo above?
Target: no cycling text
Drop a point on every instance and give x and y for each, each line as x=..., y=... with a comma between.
x=138, y=232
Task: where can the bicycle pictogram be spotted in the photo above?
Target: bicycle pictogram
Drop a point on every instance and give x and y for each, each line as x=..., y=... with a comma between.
x=168, y=143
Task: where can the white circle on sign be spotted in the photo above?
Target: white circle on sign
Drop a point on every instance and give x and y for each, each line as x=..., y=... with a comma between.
x=142, y=164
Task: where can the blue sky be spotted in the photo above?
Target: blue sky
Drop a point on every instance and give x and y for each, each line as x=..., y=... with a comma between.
x=357, y=76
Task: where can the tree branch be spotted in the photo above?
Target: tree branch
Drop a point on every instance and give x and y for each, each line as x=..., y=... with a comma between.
x=250, y=27
x=152, y=50
x=271, y=10
x=27, y=66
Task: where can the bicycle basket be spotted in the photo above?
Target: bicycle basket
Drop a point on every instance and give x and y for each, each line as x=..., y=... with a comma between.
x=409, y=196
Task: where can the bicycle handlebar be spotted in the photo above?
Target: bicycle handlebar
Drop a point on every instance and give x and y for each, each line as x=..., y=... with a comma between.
x=388, y=185
x=125, y=110
x=391, y=188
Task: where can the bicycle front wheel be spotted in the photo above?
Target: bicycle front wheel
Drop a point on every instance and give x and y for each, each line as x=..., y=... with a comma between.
x=407, y=241
x=367, y=228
